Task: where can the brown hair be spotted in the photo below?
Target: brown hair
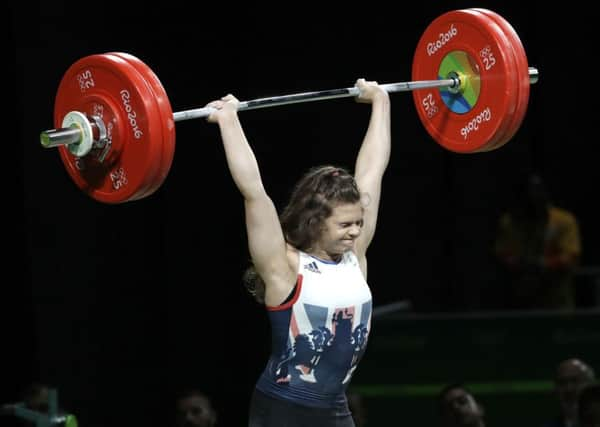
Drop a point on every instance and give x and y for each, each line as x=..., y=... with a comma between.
x=312, y=201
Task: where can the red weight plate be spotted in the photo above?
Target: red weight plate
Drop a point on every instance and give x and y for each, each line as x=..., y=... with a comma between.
x=110, y=87
x=153, y=170
x=513, y=92
x=506, y=44
x=522, y=72
x=167, y=121
x=472, y=46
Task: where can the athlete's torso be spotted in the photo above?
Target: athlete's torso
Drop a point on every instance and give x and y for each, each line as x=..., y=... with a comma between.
x=320, y=335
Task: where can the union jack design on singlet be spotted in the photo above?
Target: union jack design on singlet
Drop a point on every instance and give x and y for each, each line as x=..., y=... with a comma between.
x=320, y=335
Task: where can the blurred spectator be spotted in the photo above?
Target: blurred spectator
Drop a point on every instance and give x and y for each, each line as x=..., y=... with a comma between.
x=36, y=397
x=458, y=408
x=572, y=375
x=538, y=248
x=193, y=408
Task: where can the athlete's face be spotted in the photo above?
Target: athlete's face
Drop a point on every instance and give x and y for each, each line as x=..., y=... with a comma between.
x=340, y=230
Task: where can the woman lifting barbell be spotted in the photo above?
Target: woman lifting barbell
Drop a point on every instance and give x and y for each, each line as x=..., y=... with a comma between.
x=310, y=268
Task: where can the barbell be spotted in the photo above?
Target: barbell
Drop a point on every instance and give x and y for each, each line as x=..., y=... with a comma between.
x=115, y=128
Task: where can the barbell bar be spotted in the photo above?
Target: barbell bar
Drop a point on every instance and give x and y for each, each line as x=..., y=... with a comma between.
x=115, y=129
x=75, y=134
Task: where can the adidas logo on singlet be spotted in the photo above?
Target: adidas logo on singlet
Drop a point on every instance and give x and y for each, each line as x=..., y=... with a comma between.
x=312, y=266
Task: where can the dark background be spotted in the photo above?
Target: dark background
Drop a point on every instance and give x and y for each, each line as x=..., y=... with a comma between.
x=119, y=305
